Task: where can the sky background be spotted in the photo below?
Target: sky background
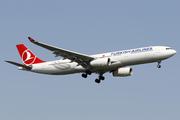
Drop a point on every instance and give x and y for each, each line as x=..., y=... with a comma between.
x=89, y=27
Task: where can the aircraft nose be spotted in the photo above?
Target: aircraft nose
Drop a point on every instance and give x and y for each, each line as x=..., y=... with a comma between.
x=173, y=52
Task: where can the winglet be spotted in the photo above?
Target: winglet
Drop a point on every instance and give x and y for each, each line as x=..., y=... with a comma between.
x=32, y=40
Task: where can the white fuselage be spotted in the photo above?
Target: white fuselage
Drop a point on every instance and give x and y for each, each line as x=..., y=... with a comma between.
x=118, y=59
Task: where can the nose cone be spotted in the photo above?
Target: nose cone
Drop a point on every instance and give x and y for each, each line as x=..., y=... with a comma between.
x=173, y=52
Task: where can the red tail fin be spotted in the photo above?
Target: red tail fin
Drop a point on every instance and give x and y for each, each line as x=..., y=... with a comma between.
x=27, y=56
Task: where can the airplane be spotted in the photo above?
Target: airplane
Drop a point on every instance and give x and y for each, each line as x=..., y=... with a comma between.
x=73, y=62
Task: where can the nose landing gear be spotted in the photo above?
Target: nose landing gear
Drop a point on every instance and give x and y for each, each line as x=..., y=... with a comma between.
x=159, y=62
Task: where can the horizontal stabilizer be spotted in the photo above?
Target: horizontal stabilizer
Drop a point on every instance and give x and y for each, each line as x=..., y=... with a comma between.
x=20, y=65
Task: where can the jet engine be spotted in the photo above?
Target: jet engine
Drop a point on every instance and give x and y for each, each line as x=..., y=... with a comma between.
x=100, y=62
x=123, y=72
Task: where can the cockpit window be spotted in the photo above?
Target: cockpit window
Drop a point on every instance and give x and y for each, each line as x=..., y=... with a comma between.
x=168, y=48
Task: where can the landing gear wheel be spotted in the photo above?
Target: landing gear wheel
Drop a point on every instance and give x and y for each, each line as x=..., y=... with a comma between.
x=101, y=77
x=88, y=72
x=97, y=80
x=159, y=66
x=84, y=75
x=159, y=62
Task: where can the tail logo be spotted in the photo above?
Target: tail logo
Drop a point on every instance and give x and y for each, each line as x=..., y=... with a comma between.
x=28, y=57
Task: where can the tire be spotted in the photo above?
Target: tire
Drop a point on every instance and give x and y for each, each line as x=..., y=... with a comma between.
x=97, y=80
x=84, y=75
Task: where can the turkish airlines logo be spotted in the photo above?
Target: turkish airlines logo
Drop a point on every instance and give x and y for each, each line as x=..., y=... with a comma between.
x=28, y=57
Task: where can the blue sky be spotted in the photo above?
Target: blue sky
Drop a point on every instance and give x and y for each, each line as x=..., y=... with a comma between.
x=90, y=27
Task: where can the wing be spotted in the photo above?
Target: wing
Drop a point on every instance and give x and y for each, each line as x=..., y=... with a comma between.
x=81, y=59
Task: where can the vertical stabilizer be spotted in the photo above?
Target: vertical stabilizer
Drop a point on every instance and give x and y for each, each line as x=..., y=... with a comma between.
x=27, y=56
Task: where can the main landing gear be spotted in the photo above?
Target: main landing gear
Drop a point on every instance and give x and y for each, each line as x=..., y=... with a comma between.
x=84, y=75
x=98, y=80
x=159, y=62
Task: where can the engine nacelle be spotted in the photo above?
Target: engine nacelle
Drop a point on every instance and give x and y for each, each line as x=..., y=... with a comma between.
x=123, y=72
x=100, y=62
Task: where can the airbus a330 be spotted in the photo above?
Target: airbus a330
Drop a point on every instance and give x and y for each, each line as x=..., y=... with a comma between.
x=73, y=62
